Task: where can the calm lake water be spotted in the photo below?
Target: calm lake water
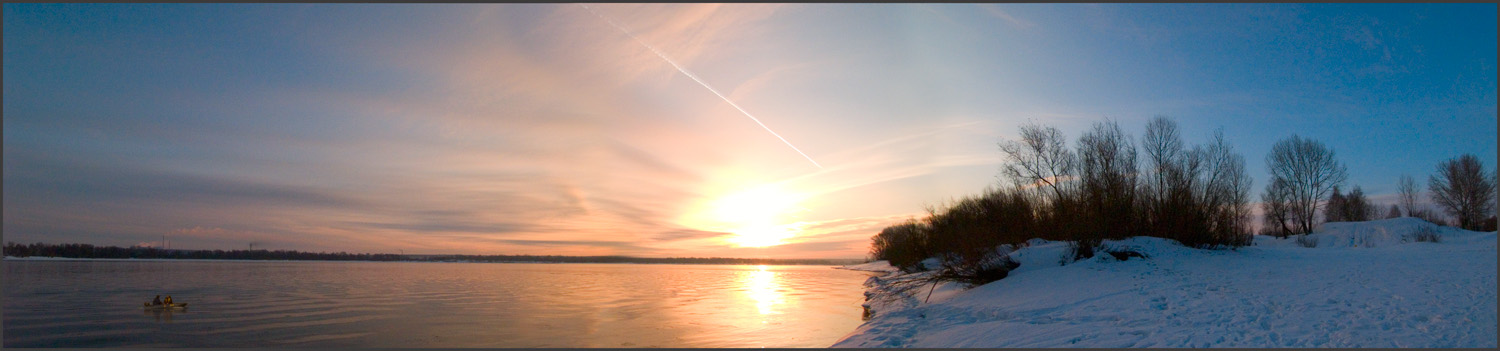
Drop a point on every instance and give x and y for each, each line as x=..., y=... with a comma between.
x=385, y=304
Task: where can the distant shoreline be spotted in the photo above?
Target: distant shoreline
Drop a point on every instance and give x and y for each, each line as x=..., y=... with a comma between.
x=75, y=251
x=65, y=259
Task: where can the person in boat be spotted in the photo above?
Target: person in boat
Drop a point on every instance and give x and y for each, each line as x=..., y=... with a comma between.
x=169, y=300
x=157, y=301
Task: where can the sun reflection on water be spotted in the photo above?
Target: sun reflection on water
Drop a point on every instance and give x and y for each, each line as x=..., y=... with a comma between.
x=763, y=288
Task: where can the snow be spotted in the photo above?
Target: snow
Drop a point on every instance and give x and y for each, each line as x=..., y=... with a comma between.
x=1384, y=232
x=1362, y=286
x=874, y=266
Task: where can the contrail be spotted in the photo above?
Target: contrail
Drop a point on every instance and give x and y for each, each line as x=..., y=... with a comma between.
x=700, y=82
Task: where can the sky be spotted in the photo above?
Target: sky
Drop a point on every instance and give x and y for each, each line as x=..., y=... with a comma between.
x=608, y=129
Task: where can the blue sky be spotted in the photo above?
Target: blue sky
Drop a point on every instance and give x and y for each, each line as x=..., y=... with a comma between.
x=543, y=129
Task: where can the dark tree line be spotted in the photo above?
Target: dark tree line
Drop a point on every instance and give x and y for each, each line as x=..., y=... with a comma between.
x=1095, y=191
x=1104, y=188
x=91, y=251
x=1353, y=207
x=628, y=259
x=1302, y=169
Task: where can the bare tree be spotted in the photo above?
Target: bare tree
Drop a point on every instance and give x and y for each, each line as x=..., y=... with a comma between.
x=1464, y=190
x=1164, y=149
x=1226, y=193
x=1408, y=191
x=1172, y=182
x=1276, y=203
x=1040, y=159
x=1310, y=171
x=1107, y=172
x=1199, y=197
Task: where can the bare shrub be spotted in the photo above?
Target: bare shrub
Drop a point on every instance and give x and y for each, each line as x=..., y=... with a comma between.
x=991, y=267
x=1425, y=234
x=898, y=289
x=970, y=229
x=1306, y=240
x=1121, y=253
x=904, y=245
x=1430, y=216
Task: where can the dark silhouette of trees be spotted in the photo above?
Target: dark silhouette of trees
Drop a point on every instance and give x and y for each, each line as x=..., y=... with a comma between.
x=1395, y=212
x=1225, y=197
x=1354, y=207
x=91, y=251
x=1170, y=177
x=626, y=259
x=1277, y=205
x=1107, y=180
x=1042, y=165
x=1407, y=189
x=1464, y=190
x=1040, y=160
x=1309, y=171
x=1357, y=208
x=1334, y=211
x=1199, y=197
x=903, y=245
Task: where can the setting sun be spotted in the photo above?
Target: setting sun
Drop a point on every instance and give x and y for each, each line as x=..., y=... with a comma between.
x=757, y=216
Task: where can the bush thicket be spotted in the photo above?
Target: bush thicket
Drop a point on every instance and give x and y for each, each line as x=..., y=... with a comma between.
x=1098, y=190
x=1103, y=188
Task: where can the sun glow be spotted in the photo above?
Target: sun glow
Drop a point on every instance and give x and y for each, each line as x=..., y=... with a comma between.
x=756, y=216
x=762, y=287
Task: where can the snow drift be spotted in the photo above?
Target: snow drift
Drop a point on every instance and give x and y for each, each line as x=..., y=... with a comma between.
x=1365, y=284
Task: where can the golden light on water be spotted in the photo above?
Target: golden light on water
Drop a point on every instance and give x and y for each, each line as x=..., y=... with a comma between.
x=762, y=287
x=757, y=216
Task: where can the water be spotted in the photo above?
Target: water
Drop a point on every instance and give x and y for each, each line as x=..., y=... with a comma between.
x=383, y=304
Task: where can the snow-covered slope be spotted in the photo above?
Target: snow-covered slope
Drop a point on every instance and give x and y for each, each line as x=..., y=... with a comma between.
x=1342, y=293
x=874, y=266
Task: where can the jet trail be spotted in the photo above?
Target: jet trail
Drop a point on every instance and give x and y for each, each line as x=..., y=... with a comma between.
x=700, y=82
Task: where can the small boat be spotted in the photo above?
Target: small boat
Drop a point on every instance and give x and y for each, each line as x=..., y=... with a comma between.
x=166, y=306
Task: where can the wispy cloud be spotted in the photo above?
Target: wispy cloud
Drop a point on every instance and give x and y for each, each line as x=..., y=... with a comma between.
x=998, y=12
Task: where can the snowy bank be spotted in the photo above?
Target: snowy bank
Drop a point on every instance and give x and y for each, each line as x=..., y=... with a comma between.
x=1363, y=285
x=876, y=266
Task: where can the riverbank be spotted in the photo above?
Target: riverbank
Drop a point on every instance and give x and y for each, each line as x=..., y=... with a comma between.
x=1364, y=284
x=832, y=263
